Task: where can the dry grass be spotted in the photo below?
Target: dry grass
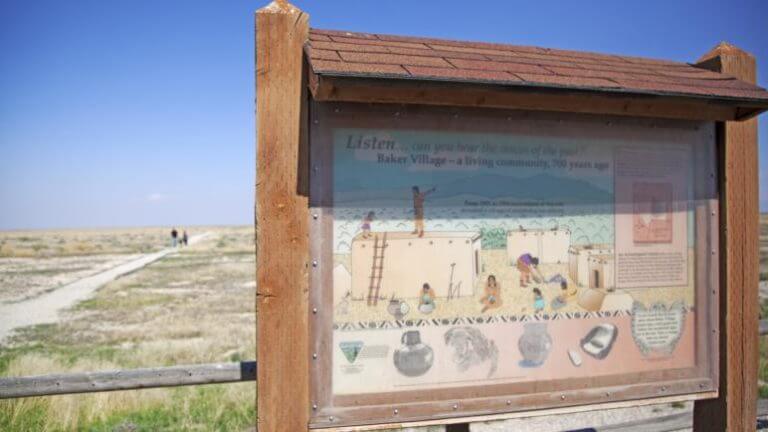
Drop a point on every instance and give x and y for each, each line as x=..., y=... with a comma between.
x=74, y=411
x=196, y=306
x=47, y=244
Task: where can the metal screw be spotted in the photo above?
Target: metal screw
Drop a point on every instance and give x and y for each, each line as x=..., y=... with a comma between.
x=314, y=407
x=314, y=310
x=607, y=394
x=455, y=406
x=315, y=216
x=562, y=397
x=315, y=169
x=395, y=412
x=316, y=122
x=314, y=356
x=330, y=418
x=663, y=389
x=314, y=263
x=509, y=402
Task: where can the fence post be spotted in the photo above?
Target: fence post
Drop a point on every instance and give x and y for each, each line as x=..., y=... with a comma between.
x=282, y=219
x=735, y=409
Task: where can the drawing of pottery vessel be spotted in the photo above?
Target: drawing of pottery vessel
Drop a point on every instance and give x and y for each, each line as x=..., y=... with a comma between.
x=398, y=308
x=413, y=358
x=534, y=344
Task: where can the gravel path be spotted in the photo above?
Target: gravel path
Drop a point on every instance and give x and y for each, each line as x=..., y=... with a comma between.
x=46, y=308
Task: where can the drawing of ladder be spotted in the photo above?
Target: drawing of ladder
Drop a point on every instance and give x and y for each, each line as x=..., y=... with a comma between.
x=377, y=267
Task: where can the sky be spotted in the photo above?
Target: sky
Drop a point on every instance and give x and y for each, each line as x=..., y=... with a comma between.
x=141, y=113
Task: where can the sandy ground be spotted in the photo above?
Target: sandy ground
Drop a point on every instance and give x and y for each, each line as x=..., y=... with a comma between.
x=45, y=308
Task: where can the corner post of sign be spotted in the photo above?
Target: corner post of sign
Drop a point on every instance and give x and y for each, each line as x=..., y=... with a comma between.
x=282, y=219
x=735, y=408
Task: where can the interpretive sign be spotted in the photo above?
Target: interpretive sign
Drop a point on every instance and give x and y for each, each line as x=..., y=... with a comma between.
x=502, y=256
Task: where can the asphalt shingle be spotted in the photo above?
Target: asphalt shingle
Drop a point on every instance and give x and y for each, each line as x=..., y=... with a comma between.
x=340, y=53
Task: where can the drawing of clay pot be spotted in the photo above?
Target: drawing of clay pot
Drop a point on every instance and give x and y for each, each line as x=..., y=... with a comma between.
x=413, y=358
x=534, y=344
x=398, y=309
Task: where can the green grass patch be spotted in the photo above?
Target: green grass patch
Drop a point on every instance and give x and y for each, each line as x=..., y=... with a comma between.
x=48, y=272
x=762, y=366
x=41, y=339
x=130, y=301
x=203, y=408
x=30, y=417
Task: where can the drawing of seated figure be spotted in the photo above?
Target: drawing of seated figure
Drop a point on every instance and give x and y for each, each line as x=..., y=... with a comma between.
x=492, y=297
x=538, y=301
x=426, y=299
x=565, y=294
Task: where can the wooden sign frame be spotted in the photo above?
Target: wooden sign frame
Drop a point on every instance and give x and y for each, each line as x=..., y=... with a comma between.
x=446, y=403
x=284, y=220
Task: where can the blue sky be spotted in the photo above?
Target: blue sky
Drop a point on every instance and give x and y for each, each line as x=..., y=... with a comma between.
x=123, y=113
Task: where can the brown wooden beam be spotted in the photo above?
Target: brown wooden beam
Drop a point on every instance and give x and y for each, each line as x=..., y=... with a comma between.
x=401, y=91
x=282, y=219
x=735, y=408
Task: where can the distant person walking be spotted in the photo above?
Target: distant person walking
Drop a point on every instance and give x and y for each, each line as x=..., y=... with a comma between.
x=418, y=209
x=174, y=237
x=185, y=238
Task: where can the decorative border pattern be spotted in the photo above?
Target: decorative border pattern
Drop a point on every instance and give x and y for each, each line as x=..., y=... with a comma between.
x=492, y=319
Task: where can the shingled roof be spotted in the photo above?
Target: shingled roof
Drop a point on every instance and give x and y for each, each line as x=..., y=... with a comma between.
x=345, y=54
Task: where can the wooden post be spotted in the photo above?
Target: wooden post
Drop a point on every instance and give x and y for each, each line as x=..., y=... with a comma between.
x=282, y=219
x=735, y=409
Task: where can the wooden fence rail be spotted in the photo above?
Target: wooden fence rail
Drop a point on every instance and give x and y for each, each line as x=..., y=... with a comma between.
x=88, y=382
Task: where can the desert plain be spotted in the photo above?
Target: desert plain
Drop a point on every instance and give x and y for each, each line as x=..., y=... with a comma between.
x=193, y=305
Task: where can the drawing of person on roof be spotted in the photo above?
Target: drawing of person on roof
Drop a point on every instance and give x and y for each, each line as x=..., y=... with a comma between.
x=418, y=209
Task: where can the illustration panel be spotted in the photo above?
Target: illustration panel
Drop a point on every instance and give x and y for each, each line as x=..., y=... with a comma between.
x=471, y=262
x=466, y=258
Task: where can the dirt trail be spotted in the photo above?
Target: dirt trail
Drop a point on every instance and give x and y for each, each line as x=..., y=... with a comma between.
x=46, y=308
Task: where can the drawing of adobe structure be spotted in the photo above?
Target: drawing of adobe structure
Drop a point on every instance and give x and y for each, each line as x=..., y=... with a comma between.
x=601, y=271
x=397, y=264
x=591, y=266
x=550, y=246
